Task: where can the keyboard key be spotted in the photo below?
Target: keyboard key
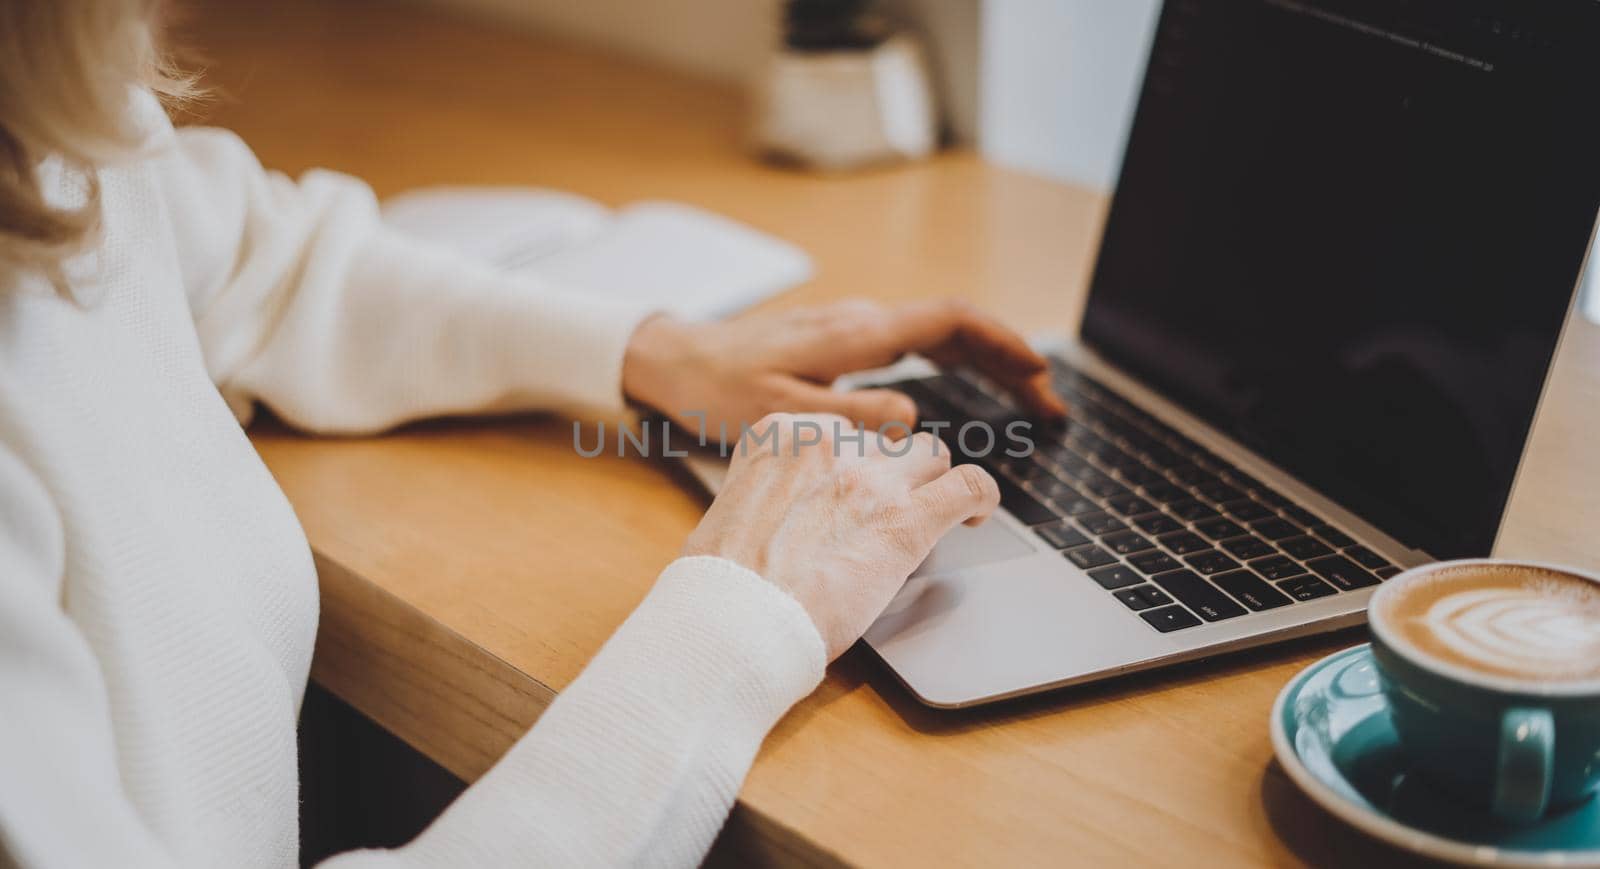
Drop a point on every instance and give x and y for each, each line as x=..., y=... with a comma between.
x=1336, y=538
x=1243, y=480
x=1153, y=562
x=1180, y=442
x=1090, y=556
x=1115, y=576
x=1169, y=618
x=1163, y=457
x=1209, y=460
x=1152, y=595
x=1118, y=460
x=1251, y=590
x=1136, y=440
x=1275, y=528
x=1077, y=506
x=1157, y=523
x=1211, y=561
x=1027, y=508
x=1366, y=557
x=1130, y=505
x=1342, y=572
x=1386, y=572
x=1220, y=491
x=1183, y=542
x=1304, y=548
x=1247, y=547
x=1302, y=515
x=1273, y=499
x=1100, y=524
x=1132, y=599
x=1101, y=486
x=1090, y=439
x=1126, y=542
x=1084, y=439
x=1142, y=476
x=1219, y=528
x=1190, y=475
x=1166, y=493
x=1246, y=510
x=1306, y=587
x=1061, y=535
x=1052, y=489
x=1276, y=567
x=1192, y=511
x=1071, y=465
x=1198, y=595
x=1036, y=474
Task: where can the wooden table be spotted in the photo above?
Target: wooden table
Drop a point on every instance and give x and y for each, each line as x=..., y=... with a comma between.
x=470, y=568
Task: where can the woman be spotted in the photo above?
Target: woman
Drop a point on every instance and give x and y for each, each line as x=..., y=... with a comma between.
x=157, y=598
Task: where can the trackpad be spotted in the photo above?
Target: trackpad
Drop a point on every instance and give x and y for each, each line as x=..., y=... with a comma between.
x=965, y=547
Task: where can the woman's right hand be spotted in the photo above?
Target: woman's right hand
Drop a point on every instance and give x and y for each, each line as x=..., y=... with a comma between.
x=836, y=521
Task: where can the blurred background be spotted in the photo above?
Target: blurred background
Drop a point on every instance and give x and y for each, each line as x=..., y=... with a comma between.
x=1040, y=85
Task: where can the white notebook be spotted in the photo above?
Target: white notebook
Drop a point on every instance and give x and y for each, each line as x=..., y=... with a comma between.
x=679, y=258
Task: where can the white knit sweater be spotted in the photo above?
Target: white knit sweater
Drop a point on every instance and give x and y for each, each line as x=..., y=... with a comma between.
x=157, y=596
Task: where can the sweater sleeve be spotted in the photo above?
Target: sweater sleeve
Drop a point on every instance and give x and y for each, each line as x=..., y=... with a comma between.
x=57, y=749
x=638, y=762
x=305, y=301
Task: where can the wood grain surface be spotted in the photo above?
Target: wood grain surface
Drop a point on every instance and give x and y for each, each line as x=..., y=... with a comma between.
x=471, y=568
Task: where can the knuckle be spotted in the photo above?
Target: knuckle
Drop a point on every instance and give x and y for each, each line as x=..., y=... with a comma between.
x=977, y=481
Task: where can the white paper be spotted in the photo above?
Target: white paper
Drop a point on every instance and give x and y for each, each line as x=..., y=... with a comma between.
x=679, y=258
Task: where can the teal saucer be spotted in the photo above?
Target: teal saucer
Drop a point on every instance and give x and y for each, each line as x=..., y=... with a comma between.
x=1331, y=731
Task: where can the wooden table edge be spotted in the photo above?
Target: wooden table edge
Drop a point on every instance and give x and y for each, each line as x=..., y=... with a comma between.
x=461, y=705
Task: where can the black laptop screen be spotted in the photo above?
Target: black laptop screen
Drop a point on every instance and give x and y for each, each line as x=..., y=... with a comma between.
x=1347, y=233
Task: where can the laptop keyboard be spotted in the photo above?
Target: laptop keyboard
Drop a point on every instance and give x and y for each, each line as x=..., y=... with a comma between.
x=1175, y=532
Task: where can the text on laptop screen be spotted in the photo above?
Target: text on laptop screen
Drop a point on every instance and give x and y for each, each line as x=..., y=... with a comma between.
x=1347, y=235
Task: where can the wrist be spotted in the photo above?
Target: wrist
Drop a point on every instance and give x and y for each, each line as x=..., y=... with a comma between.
x=653, y=361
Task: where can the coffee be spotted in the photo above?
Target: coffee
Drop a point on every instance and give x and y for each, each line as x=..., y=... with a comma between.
x=1519, y=622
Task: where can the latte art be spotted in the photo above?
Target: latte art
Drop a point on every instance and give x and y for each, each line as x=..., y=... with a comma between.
x=1521, y=631
x=1525, y=623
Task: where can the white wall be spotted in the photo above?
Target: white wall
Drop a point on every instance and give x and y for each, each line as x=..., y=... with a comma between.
x=1057, y=82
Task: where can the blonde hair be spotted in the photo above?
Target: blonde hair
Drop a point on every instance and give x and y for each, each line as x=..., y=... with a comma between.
x=66, y=69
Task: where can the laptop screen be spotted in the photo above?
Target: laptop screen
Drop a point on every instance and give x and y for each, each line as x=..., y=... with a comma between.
x=1347, y=233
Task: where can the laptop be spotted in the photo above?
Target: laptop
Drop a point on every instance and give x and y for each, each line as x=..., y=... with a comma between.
x=1343, y=246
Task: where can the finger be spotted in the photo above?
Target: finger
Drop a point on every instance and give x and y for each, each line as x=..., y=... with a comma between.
x=947, y=326
x=953, y=334
x=921, y=458
x=965, y=493
x=1039, y=396
x=876, y=410
x=856, y=334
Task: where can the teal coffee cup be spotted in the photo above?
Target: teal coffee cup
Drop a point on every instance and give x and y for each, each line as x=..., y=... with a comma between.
x=1492, y=673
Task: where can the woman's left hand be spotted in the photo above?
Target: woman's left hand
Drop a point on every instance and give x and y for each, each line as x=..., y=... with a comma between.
x=727, y=374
